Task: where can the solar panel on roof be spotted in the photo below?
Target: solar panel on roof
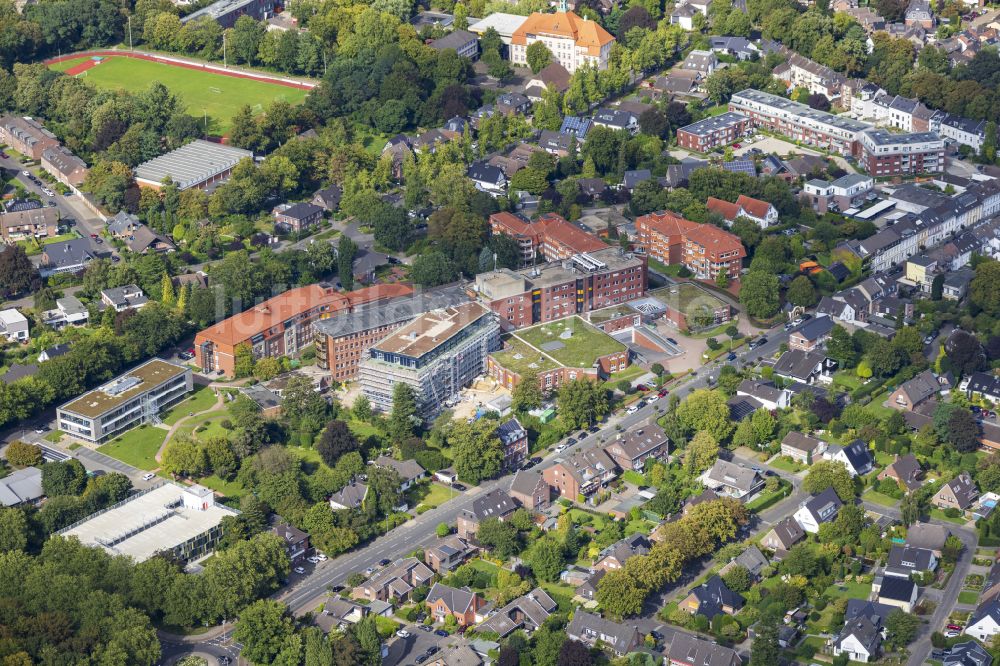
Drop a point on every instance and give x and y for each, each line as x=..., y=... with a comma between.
x=740, y=166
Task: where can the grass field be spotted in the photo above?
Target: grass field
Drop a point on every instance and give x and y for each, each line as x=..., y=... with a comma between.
x=202, y=398
x=879, y=498
x=216, y=95
x=137, y=447
x=968, y=597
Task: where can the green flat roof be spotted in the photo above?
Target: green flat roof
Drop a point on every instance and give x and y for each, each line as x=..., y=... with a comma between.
x=99, y=401
x=519, y=357
x=687, y=297
x=579, y=350
x=609, y=313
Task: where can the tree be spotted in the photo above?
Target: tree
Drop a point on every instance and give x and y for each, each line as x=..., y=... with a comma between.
x=759, y=294
x=243, y=360
x=765, y=650
x=478, y=451
x=527, y=394
x=23, y=454
x=13, y=530
x=574, y=653
x=829, y=474
x=346, y=251
x=266, y=368
x=546, y=559
x=580, y=402
x=17, y=274
x=738, y=578
x=701, y=452
x=538, y=56
x=404, y=412
x=63, y=478
x=937, y=287
x=620, y=594
x=265, y=630
x=184, y=457
x=801, y=292
x=911, y=509
x=989, y=147
x=336, y=440
x=964, y=351
x=443, y=530
x=982, y=290
x=840, y=347
x=432, y=269
x=362, y=409
x=501, y=538
x=901, y=628
x=653, y=122
x=706, y=410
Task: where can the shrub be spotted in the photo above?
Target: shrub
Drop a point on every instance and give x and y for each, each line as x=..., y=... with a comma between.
x=952, y=512
x=713, y=344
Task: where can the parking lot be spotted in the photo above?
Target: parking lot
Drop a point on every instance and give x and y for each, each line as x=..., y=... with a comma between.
x=420, y=645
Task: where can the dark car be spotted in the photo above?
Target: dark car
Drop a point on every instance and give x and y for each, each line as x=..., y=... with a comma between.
x=441, y=632
x=422, y=658
x=571, y=441
x=758, y=342
x=731, y=356
x=642, y=387
x=657, y=636
x=593, y=430
x=672, y=341
x=424, y=627
x=458, y=486
x=582, y=435
x=527, y=464
x=536, y=460
x=432, y=650
x=385, y=563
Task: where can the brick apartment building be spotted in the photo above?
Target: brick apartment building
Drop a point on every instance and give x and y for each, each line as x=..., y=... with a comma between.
x=27, y=136
x=704, y=249
x=558, y=289
x=713, y=132
x=344, y=338
x=551, y=236
x=883, y=153
x=282, y=325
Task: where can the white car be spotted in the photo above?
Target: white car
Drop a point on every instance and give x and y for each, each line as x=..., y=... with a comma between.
x=312, y=560
x=299, y=570
x=25, y=173
x=561, y=447
x=653, y=398
x=321, y=557
x=951, y=633
x=632, y=410
x=403, y=633
x=148, y=476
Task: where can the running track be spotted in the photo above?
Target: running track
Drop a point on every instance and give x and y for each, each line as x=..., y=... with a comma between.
x=177, y=62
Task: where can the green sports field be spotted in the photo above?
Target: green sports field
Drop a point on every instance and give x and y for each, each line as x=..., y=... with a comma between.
x=203, y=93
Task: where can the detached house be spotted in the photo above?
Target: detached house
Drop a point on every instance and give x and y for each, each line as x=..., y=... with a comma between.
x=588, y=629
x=802, y=366
x=731, y=480
x=632, y=448
x=409, y=471
x=856, y=457
x=906, y=561
x=926, y=535
x=487, y=178
x=860, y=639
x=911, y=393
x=581, y=473
x=811, y=335
x=494, y=504
x=527, y=613
x=802, y=448
x=762, y=213
x=351, y=496
x=766, y=393
x=463, y=605
x=296, y=541
x=448, y=553
x=750, y=559
x=713, y=598
x=617, y=554
x=785, y=534
x=984, y=623
x=899, y=592
x=688, y=650
x=514, y=438
x=904, y=470
x=296, y=218
x=819, y=509
x=959, y=493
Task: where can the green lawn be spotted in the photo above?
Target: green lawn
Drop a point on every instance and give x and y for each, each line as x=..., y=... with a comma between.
x=571, y=342
x=785, y=464
x=54, y=436
x=634, y=477
x=581, y=517
x=201, y=92
x=847, y=379
x=362, y=430
x=968, y=597
x=851, y=590
x=436, y=495
x=879, y=498
x=519, y=356
x=561, y=594
x=202, y=398
x=228, y=488
x=939, y=514
x=631, y=373
x=137, y=447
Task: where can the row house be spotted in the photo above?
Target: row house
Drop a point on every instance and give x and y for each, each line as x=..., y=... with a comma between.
x=27, y=136
x=903, y=113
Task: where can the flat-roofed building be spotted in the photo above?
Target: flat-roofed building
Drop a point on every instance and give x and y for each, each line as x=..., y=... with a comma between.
x=282, y=325
x=198, y=164
x=27, y=136
x=713, y=132
x=437, y=354
x=134, y=397
x=583, y=283
x=226, y=12
x=886, y=154
x=343, y=339
x=505, y=25
x=184, y=521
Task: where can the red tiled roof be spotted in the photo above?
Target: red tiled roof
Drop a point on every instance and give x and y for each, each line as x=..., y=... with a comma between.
x=715, y=240
x=723, y=208
x=555, y=227
x=567, y=25
x=292, y=303
x=731, y=211
x=755, y=207
x=666, y=223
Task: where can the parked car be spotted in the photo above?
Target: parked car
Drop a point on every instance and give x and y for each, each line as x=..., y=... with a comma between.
x=560, y=447
x=951, y=633
x=536, y=460
x=321, y=557
x=459, y=487
x=299, y=570
x=731, y=356
x=403, y=633
x=432, y=650
x=653, y=398
x=148, y=476
x=954, y=627
x=385, y=562
x=758, y=342
x=424, y=627
x=312, y=559
x=571, y=441
x=672, y=341
x=421, y=658
x=632, y=410
x=663, y=392
x=441, y=632
x=642, y=387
